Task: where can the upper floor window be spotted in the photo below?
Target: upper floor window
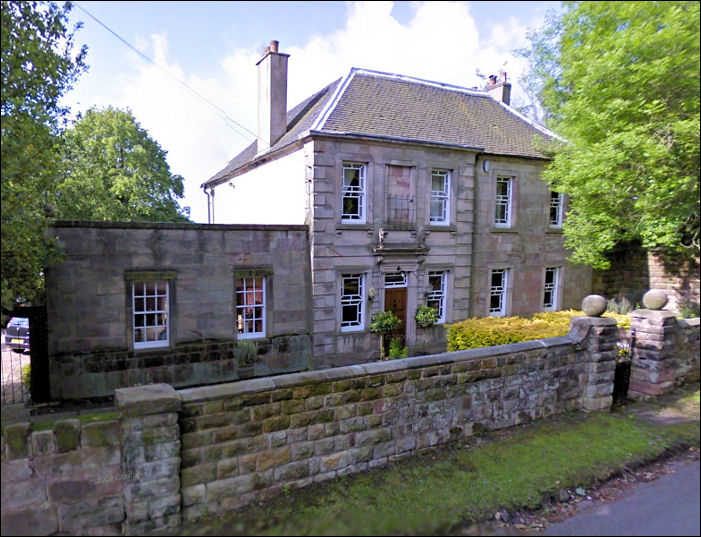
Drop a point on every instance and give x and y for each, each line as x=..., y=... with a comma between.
x=150, y=309
x=437, y=293
x=353, y=193
x=499, y=282
x=556, y=207
x=503, y=209
x=250, y=307
x=352, y=302
x=440, y=197
x=550, y=298
x=401, y=210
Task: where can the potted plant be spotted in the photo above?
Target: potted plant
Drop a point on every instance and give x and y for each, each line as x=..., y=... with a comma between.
x=245, y=353
x=384, y=323
x=426, y=317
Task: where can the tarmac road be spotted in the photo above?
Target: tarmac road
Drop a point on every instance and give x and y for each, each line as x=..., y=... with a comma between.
x=666, y=506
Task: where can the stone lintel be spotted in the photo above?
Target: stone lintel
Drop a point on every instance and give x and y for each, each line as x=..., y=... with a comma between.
x=145, y=400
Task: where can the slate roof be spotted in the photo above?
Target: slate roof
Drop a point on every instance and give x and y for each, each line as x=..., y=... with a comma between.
x=384, y=105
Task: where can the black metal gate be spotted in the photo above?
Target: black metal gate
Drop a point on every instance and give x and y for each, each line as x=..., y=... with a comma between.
x=624, y=359
x=26, y=376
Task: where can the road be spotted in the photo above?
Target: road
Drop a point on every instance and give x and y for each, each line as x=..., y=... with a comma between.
x=666, y=506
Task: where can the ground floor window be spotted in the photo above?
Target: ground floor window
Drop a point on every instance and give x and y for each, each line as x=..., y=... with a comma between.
x=352, y=301
x=550, y=298
x=437, y=293
x=150, y=308
x=250, y=307
x=499, y=279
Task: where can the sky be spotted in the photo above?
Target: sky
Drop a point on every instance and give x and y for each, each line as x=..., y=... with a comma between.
x=213, y=47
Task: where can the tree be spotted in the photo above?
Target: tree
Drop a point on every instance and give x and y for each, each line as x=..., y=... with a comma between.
x=384, y=323
x=113, y=170
x=619, y=81
x=38, y=66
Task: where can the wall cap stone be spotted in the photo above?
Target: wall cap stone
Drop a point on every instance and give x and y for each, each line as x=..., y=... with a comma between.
x=145, y=400
x=687, y=323
x=220, y=391
x=652, y=314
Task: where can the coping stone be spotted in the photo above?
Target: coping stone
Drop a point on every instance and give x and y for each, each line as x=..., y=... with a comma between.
x=145, y=400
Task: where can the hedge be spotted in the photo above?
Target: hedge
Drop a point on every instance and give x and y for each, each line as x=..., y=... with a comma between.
x=489, y=331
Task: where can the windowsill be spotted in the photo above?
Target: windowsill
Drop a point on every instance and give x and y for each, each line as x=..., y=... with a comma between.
x=151, y=349
x=360, y=227
x=252, y=337
x=352, y=331
x=554, y=230
x=495, y=229
x=438, y=227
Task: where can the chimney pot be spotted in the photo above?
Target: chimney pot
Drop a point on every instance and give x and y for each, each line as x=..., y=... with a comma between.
x=503, y=76
x=274, y=45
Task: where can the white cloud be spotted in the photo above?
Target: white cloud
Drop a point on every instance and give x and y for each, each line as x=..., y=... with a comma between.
x=440, y=42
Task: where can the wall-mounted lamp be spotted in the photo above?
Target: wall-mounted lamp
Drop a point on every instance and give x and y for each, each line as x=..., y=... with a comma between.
x=371, y=293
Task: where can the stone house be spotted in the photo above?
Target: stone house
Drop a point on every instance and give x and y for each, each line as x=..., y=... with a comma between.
x=381, y=192
x=415, y=192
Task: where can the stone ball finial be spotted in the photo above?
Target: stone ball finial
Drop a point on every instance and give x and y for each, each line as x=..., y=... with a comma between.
x=594, y=305
x=655, y=299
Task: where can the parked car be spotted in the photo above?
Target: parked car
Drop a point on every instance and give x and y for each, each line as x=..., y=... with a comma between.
x=17, y=334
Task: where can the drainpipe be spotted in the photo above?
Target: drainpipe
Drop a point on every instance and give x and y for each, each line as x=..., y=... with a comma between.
x=210, y=204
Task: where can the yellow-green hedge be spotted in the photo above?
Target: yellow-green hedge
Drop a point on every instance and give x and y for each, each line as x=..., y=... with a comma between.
x=489, y=331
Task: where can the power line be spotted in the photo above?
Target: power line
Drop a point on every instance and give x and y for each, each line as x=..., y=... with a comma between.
x=221, y=113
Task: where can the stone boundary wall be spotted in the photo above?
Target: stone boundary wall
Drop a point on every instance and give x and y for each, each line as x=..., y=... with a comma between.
x=245, y=442
x=67, y=479
x=176, y=455
x=665, y=352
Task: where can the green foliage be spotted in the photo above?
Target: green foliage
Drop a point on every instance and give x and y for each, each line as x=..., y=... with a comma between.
x=27, y=376
x=384, y=323
x=245, y=352
x=113, y=170
x=38, y=67
x=426, y=316
x=619, y=81
x=397, y=348
x=488, y=331
x=623, y=306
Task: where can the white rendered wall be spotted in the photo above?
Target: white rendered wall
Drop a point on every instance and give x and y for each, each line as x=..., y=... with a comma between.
x=273, y=193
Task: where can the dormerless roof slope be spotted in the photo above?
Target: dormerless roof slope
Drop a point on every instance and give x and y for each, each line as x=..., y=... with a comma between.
x=382, y=105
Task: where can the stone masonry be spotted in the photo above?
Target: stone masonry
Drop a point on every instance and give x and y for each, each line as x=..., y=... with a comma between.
x=150, y=461
x=665, y=352
x=89, y=303
x=64, y=480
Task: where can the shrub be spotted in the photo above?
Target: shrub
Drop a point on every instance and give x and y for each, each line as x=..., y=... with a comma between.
x=384, y=323
x=396, y=349
x=245, y=352
x=426, y=316
x=488, y=331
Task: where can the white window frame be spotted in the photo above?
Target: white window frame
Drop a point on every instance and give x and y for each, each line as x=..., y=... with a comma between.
x=354, y=192
x=556, y=203
x=504, y=200
x=442, y=197
x=552, y=288
x=162, y=326
x=241, y=308
x=440, y=294
x=357, y=299
x=501, y=291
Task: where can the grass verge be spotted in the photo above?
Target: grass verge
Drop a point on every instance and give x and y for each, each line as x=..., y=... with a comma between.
x=513, y=469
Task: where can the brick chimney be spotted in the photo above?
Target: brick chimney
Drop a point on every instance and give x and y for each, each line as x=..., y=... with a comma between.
x=499, y=88
x=272, y=97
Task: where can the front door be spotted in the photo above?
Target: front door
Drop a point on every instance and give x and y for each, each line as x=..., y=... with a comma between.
x=395, y=301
